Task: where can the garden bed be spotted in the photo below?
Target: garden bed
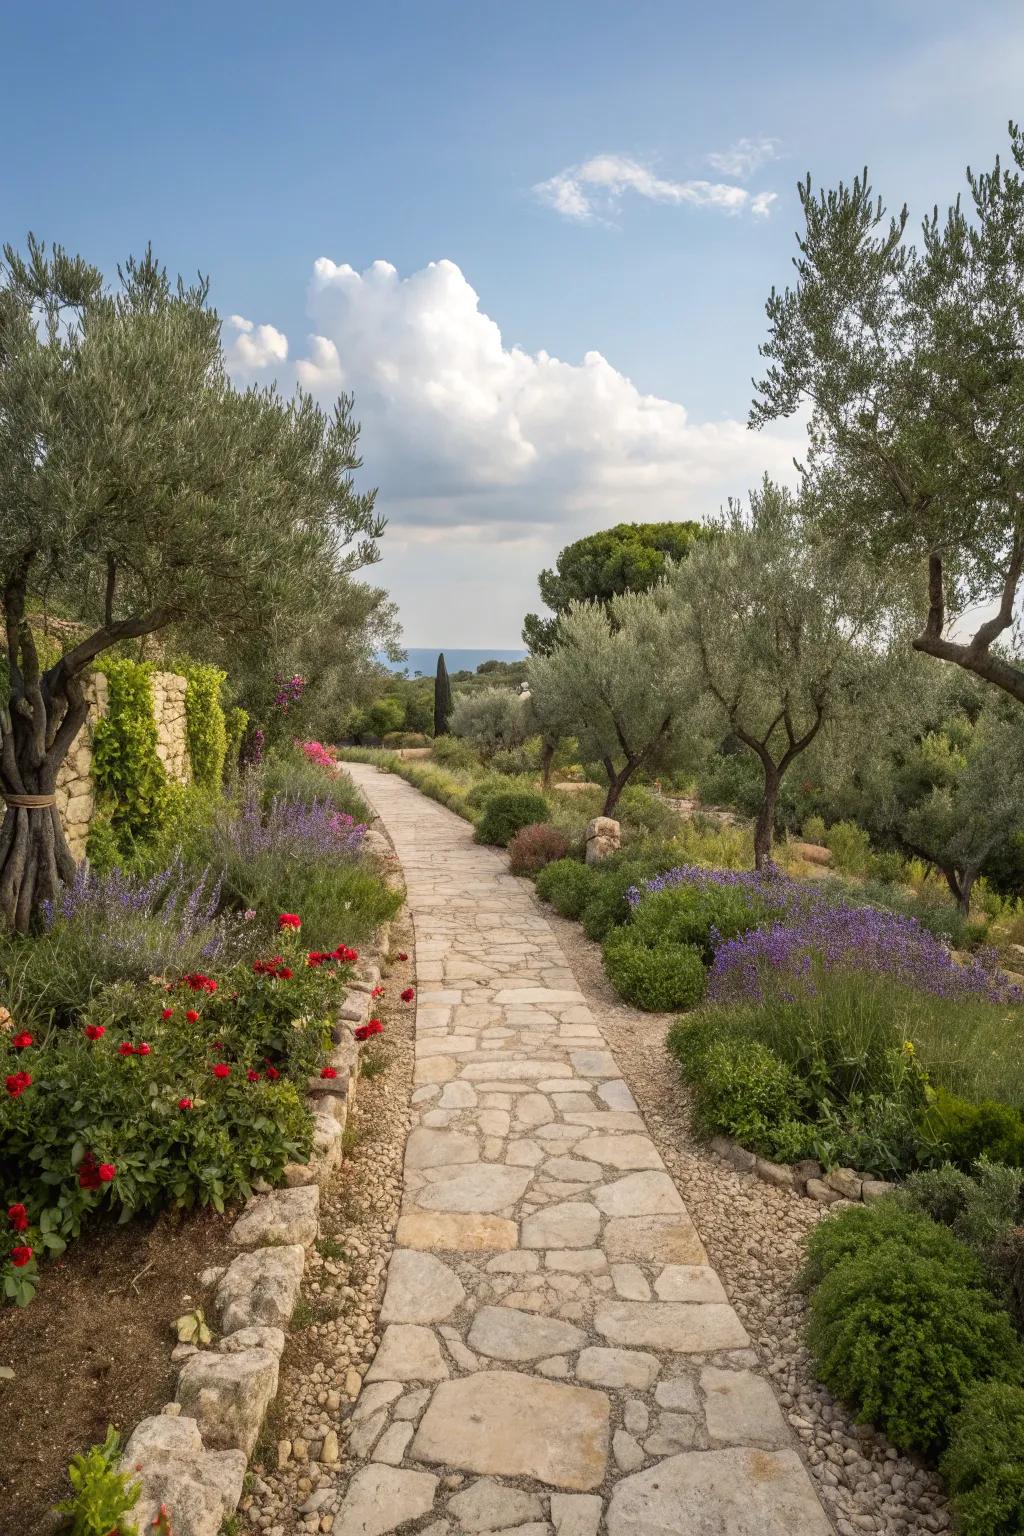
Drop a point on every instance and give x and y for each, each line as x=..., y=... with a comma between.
x=94, y=1349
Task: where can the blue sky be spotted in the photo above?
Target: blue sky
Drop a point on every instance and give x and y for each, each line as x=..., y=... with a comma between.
x=580, y=350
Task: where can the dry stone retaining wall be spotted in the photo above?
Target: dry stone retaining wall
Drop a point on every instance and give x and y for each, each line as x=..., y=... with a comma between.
x=76, y=792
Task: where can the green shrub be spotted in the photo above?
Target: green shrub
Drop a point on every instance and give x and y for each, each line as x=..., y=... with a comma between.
x=567, y=885
x=741, y=1089
x=888, y=867
x=901, y=1339
x=534, y=847
x=961, y=1131
x=691, y=914
x=863, y=1228
x=814, y=829
x=850, y=847
x=287, y=774
x=980, y=1207
x=205, y=725
x=640, y=807
x=984, y=1464
x=669, y=976
x=453, y=752
x=102, y=1495
x=504, y=814
x=236, y=723
x=130, y=779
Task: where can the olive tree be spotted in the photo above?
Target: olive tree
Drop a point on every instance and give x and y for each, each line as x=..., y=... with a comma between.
x=615, y=679
x=909, y=360
x=785, y=632
x=139, y=492
x=493, y=720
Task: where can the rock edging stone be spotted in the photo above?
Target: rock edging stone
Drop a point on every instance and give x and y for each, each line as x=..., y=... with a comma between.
x=806, y=1177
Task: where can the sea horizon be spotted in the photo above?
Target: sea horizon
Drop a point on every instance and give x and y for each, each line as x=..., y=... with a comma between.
x=457, y=658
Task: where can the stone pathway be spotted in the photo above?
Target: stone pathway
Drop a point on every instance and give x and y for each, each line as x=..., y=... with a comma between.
x=558, y=1354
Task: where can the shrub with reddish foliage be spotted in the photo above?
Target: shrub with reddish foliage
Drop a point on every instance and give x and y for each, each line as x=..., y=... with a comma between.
x=534, y=846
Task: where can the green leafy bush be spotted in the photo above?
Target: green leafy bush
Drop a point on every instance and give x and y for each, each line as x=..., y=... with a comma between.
x=287, y=774
x=661, y=978
x=567, y=884
x=984, y=1464
x=903, y=1340
x=236, y=723
x=534, y=847
x=692, y=914
x=130, y=779
x=205, y=725
x=850, y=847
x=814, y=829
x=742, y=1090
x=962, y=1131
x=453, y=752
x=505, y=814
x=889, y=867
x=102, y=1495
x=862, y=1228
x=640, y=807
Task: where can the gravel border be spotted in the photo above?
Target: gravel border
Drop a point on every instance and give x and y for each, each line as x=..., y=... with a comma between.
x=754, y=1234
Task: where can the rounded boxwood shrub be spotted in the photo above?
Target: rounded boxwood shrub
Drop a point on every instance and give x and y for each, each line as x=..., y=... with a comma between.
x=506, y=814
x=964, y=1131
x=900, y=1338
x=692, y=914
x=984, y=1465
x=862, y=1228
x=534, y=847
x=567, y=885
x=658, y=979
x=742, y=1089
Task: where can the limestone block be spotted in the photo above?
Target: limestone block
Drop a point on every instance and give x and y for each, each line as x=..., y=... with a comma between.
x=604, y=836
x=228, y=1395
x=166, y=1454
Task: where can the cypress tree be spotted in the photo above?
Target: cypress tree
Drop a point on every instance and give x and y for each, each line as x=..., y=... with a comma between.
x=442, y=698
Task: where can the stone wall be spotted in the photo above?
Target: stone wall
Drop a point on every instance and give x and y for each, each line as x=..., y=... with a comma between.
x=76, y=793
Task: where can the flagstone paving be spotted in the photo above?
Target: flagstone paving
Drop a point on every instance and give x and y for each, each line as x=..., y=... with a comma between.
x=558, y=1356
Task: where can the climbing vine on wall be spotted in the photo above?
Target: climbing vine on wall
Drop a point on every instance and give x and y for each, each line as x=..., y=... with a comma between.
x=205, y=725
x=130, y=779
x=237, y=721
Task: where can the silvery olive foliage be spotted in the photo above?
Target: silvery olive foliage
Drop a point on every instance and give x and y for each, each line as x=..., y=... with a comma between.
x=782, y=632
x=494, y=720
x=617, y=679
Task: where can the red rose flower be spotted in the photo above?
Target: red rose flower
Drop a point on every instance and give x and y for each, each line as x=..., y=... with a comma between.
x=284, y=972
x=221, y=1069
x=328, y=1072
x=17, y=1082
x=144, y=1049
x=192, y=1016
x=197, y=982
x=95, y=1031
x=107, y=1173
x=253, y=1077
x=125, y=1049
x=363, y=1032
x=408, y=994
x=20, y=1257
x=344, y=954
x=375, y=1027
x=402, y=955
x=167, y=1013
x=289, y=920
x=184, y=1103
x=20, y=1041
x=273, y=1074
x=17, y=1215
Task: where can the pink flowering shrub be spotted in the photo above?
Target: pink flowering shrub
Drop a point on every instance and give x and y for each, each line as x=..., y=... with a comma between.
x=534, y=846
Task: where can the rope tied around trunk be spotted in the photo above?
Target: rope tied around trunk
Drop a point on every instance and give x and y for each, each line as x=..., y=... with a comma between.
x=29, y=802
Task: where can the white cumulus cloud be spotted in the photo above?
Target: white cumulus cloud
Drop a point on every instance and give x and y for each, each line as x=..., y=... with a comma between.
x=595, y=188
x=744, y=157
x=254, y=346
x=462, y=430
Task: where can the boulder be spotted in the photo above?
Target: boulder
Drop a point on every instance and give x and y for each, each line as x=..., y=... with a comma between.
x=260, y=1289
x=228, y=1395
x=604, y=836
x=282, y=1217
x=201, y=1487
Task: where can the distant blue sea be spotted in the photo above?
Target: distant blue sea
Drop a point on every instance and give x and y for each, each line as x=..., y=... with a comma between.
x=456, y=659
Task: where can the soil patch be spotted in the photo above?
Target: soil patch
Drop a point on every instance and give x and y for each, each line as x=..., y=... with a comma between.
x=94, y=1348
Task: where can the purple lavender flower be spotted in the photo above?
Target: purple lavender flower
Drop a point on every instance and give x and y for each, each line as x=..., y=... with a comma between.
x=305, y=829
